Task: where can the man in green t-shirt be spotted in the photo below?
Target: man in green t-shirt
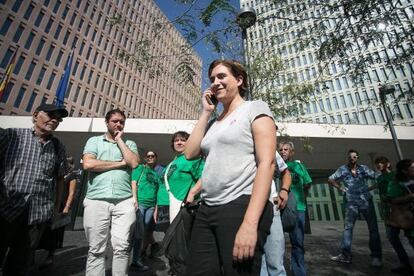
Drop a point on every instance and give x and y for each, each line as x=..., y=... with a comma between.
x=300, y=185
x=390, y=188
x=145, y=183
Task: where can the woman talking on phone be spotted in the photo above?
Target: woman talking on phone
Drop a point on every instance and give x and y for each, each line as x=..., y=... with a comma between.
x=234, y=218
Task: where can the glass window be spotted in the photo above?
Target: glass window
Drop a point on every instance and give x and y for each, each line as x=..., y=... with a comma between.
x=51, y=80
x=75, y=41
x=80, y=24
x=358, y=98
x=65, y=12
x=66, y=38
x=31, y=101
x=50, y=52
x=380, y=115
x=19, y=64
x=19, y=97
x=339, y=119
x=75, y=68
x=49, y=25
x=355, y=117
x=350, y=100
x=328, y=104
x=56, y=7
x=40, y=47
x=39, y=19
x=6, y=93
x=6, y=26
x=41, y=75
x=372, y=116
x=18, y=34
x=59, y=58
x=29, y=41
x=82, y=74
x=85, y=95
x=72, y=19
x=46, y=3
x=408, y=111
x=336, y=104
x=30, y=70
x=17, y=5
x=6, y=58
x=57, y=33
x=28, y=12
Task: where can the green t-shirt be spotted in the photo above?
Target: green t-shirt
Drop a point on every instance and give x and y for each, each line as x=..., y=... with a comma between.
x=396, y=189
x=300, y=178
x=148, y=182
x=384, y=181
x=182, y=174
x=162, y=195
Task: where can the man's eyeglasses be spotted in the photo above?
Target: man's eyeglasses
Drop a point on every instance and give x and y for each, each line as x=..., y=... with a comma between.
x=151, y=156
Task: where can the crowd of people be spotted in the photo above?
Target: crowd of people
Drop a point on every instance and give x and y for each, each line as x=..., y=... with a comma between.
x=230, y=164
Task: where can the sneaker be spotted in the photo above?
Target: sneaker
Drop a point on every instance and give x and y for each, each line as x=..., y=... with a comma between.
x=139, y=266
x=47, y=263
x=154, y=250
x=376, y=262
x=341, y=258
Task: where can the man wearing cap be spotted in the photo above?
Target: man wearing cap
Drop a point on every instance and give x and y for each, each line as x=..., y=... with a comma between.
x=109, y=205
x=31, y=164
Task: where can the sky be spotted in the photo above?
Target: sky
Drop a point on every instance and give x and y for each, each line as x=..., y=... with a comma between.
x=172, y=9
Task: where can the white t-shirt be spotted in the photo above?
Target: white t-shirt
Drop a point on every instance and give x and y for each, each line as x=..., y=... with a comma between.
x=281, y=167
x=228, y=145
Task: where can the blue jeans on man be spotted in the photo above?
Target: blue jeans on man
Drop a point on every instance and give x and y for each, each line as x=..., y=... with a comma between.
x=274, y=248
x=297, y=237
x=351, y=214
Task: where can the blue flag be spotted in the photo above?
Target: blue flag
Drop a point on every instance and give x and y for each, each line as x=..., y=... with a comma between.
x=64, y=81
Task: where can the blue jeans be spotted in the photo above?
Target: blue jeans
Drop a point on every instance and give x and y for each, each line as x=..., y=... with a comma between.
x=147, y=219
x=274, y=249
x=297, y=237
x=351, y=214
x=393, y=234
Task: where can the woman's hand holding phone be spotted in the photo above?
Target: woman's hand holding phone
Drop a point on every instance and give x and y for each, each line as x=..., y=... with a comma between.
x=209, y=101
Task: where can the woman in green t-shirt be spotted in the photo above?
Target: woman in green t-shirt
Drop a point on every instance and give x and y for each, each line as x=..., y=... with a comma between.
x=181, y=178
x=145, y=183
x=401, y=190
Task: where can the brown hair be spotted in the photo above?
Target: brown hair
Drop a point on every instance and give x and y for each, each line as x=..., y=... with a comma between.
x=181, y=134
x=236, y=69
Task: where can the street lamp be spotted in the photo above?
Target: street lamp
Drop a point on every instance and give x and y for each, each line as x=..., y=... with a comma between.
x=383, y=92
x=245, y=19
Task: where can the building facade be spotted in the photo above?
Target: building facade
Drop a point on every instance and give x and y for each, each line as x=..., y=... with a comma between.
x=44, y=32
x=338, y=100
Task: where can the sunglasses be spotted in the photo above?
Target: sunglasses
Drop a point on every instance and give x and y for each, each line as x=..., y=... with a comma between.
x=151, y=156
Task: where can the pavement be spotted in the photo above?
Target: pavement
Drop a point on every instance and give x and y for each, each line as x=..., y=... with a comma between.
x=320, y=245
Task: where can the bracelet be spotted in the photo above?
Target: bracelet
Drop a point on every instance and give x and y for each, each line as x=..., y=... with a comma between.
x=284, y=189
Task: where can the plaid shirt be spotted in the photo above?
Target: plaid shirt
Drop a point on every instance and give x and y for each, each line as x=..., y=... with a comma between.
x=27, y=174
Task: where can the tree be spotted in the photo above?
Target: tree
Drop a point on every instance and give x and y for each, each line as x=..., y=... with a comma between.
x=341, y=34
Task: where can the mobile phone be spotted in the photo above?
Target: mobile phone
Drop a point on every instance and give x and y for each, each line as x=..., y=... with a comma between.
x=212, y=100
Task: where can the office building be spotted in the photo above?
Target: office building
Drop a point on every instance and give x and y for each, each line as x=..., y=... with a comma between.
x=338, y=100
x=46, y=31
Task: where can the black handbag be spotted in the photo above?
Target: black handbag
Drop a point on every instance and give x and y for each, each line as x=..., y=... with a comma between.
x=289, y=214
x=176, y=243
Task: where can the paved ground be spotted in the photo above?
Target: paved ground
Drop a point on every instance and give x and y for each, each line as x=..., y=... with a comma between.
x=323, y=242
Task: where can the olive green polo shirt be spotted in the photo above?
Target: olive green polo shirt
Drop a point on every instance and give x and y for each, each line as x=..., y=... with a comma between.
x=112, y=184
